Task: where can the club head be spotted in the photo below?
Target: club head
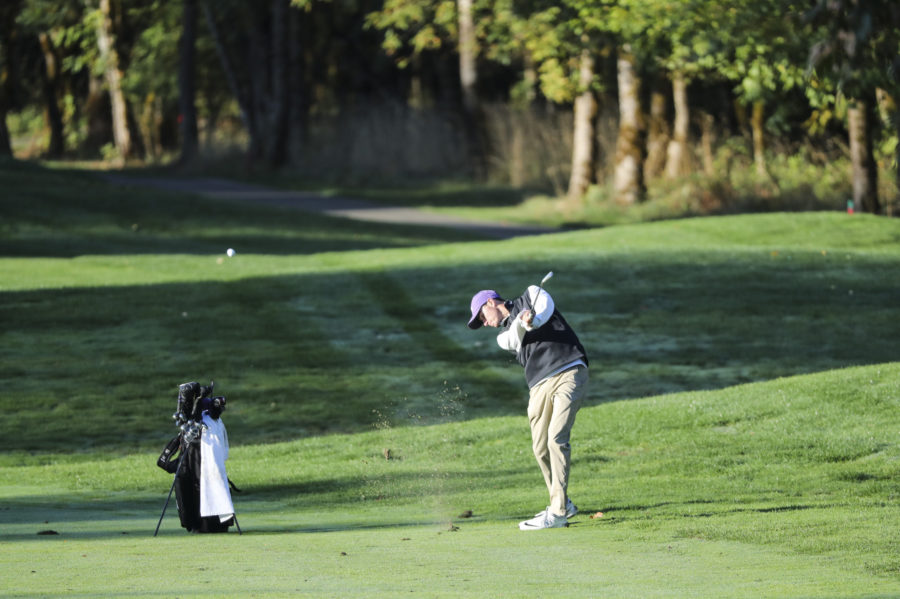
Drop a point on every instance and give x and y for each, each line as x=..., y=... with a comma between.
x=546, y=278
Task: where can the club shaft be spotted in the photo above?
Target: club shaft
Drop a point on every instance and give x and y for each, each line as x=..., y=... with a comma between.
x=540, y=288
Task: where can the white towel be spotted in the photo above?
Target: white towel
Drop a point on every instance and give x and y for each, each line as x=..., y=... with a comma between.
x=215, y=496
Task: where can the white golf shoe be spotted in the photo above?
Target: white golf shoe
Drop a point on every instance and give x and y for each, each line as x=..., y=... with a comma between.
x=571, y=509
x=545, y=519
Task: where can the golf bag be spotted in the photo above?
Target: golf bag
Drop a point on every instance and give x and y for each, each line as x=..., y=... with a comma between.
x=196, y=414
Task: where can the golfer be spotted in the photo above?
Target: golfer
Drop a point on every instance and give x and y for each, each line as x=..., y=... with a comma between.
x=556, y=370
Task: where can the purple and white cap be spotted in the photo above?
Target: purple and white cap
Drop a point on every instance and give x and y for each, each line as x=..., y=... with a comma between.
x=478, y=301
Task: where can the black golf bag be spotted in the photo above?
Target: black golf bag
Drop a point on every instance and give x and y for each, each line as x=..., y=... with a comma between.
x=181, y=456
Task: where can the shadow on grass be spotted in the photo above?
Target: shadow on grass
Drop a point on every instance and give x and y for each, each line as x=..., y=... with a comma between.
x=312, y=237
x=60, y=213
x=65, y=516
x=61, y=516
x=616, y=514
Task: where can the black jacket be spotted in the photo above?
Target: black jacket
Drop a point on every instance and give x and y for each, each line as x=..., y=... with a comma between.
x=548, y=348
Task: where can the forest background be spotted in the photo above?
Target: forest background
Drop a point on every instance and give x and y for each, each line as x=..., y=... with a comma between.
x=692, y=106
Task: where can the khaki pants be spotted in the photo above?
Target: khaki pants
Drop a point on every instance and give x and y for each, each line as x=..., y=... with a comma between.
x=552, y=406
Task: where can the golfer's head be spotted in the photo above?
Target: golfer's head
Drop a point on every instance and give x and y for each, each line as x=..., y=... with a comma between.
x=486, y=298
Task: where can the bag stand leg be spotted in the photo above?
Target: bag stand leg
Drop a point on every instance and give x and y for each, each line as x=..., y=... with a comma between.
x=169, y=498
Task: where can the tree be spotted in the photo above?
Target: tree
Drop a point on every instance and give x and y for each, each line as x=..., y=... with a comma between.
x=413, y=29
x=50, y=77
x=186, y=82
x=634, y=24
x=8, y=13
x=563, y=40
x=763, y=53
x=678, y=156
x=659, y=39
x=684, y=38
x=255, y=62
x=151, y=46
x=41, y=28
x=585, y=110
x=658, y=129
x=856, y=51
x=468, y=51
x=629, y=173
x=109, y=56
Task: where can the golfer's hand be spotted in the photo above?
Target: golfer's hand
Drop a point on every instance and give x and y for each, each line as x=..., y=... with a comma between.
x=527, y=317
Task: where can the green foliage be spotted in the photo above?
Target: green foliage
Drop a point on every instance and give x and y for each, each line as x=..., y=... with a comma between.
x=71, y=39
x=855, y=45
x=764, y=51
x=153, y=63
x=555, y=36
x=76, y=134
x=416, y=26
x=27, y=130
x=760, y=49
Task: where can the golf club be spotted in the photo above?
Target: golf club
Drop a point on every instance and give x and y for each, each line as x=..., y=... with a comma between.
x=540, y=288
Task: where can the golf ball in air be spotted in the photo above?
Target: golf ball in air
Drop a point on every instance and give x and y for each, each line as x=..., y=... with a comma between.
x=230, y=252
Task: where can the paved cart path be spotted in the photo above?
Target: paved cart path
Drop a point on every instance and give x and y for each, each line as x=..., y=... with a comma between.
x=332, y=205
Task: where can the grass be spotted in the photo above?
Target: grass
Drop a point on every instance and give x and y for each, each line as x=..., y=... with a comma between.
x=739, y=435
x=778, y=489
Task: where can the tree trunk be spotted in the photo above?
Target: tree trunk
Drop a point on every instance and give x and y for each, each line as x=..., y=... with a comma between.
x=257, y=71
x=146, y=119
x=517, y=152
x=186, y=82
x=211, y=122
x=629, y=179
x=274, y=100
x=258, y=77
x=896, y=201
x=50, y=80
x=110, y=57
x=230, y=72
x=473, y=120
x=890, y=116
x=865, y=173
x=9, y=11
x=96, y=112
x=657, y=133
x=678, y=156
x=468, y=75
x=298, y=108
x=757, y=123
x=583, y=139
x=5, y=144
x=707, y=141
x=520, y=112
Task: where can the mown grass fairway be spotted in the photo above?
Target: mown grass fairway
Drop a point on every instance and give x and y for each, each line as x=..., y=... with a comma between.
x=740, y=436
